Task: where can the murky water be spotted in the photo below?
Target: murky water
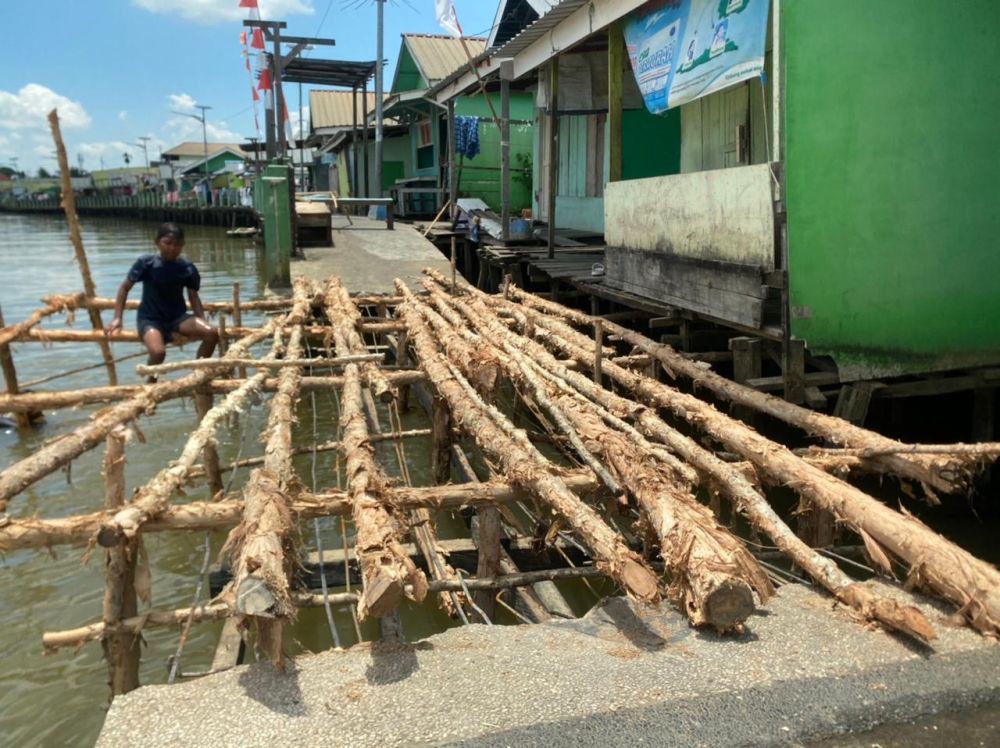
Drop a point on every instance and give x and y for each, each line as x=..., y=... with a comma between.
x=60, y=699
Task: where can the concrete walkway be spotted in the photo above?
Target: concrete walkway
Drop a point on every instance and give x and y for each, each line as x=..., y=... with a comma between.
x=367, y=257
x=804, y=670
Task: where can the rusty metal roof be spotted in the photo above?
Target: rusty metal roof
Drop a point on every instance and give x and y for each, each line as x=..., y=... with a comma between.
x=334, y=108
x=437, y=55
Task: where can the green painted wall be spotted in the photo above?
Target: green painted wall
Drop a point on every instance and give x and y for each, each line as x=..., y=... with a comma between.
x=893, y=166
x=651, y=143
x=408, y=77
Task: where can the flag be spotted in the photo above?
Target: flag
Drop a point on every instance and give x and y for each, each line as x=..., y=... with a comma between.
x=256, y=96
x=257, y=40
x=265, y=80
x=248, y=3
x=446, y=17
x=243, y=38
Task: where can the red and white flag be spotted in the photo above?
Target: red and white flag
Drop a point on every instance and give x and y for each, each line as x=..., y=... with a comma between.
x=248, y=4
x=447, y=18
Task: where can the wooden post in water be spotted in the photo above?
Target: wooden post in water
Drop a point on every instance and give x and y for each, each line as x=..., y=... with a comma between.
x=121, y=650
x=69, y=206
x=203, y=404
x=441, y=441
x=238, y=319
x=10, y=378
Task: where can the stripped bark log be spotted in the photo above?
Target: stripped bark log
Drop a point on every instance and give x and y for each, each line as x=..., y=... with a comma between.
x=934, y=562
x=526, y=467
x=346, y=321
x=255, y=363
x=388, y=573
x=54, y=455
x=121, y=651
x=155, y=496
x=18, y=534
x=713, y=574
x=64, y=335
x=731, y=480
x=209, y=454
x=26, y=402
x=263, y=548
x=23, y=420
x=69, y=206
x=948, y=473
x=53, y=305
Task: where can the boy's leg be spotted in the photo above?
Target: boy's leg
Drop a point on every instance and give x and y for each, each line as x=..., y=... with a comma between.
x=195, y=327
x=153, y=340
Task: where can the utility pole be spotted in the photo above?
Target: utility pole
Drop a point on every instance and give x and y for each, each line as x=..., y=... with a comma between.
x=142, y=144
x=378, y=99
x=204, y=136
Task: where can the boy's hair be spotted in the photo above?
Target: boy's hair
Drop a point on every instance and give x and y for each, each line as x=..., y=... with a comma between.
x=170, y=229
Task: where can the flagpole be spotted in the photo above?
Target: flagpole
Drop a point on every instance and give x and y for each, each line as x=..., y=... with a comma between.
x=378, y=99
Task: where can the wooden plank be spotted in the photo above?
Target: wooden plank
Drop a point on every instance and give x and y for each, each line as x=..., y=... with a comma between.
x=229, y=651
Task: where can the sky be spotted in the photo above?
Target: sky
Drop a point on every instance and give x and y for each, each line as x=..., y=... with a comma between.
x=117, y=69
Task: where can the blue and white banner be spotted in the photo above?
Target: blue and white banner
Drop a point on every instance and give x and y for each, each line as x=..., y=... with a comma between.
x=682, y=50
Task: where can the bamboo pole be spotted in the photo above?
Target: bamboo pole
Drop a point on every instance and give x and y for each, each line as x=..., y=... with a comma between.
x=21, y=418
x=264, y=547
x=55, y=454
x=31, y=532
x=934, y=562
x=121, y=650
x=526, y=467
x=69, y=206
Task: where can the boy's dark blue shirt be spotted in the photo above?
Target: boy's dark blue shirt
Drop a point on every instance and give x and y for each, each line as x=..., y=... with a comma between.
x=163, y=285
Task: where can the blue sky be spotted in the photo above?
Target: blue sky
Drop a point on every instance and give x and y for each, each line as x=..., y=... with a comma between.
x=116, y=68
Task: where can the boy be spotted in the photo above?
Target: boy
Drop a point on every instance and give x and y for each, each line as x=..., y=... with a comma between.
x=162, y=313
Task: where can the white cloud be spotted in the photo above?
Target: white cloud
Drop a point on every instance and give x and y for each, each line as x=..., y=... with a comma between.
x=123, y=115
x=183, y=129
x=299, y=129
x=112, y=153
x=218, y=11
x=28, y=108
x=184, y=102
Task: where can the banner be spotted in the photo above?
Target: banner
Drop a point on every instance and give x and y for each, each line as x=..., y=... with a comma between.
x=682, y=50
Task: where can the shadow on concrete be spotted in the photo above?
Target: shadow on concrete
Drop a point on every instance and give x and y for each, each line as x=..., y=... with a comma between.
x=391, y=662
x=278, y=691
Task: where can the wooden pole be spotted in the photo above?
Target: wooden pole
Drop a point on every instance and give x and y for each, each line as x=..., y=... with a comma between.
x=553, y=170
x=453, y=265
x=452, y=167
x=210, y=455
x=506, y=73
x=10, y=380
x=616, y=62
x=69, y=206
x=121, y=649
x=238, y=319
x=598, y=351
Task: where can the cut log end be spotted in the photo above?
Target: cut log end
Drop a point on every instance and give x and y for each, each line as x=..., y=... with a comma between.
x=255, y=598
x=727, y=606
x=382, y=596
x=640, y=581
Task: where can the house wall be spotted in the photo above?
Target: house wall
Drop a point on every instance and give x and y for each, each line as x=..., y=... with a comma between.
x=893, y=163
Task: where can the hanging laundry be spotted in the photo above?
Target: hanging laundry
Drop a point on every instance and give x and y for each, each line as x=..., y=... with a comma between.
x=467, y=136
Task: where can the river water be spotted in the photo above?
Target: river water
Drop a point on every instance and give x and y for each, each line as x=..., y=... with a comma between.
x=60, y=699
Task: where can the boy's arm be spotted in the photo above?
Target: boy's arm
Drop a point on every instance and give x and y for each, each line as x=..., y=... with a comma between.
x=196, y=307
x=120, y=298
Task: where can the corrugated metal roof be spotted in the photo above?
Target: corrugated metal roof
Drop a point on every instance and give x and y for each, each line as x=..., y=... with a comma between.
x=197, y=149
x=540, y=27
x=333, y=108
x=437, y=55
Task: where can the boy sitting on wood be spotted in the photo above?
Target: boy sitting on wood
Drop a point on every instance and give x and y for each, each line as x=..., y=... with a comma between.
x=162, y=313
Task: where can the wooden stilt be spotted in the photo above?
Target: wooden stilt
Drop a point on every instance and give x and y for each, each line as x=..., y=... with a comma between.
x=122, y=650
x=210, y=456
x=237, y=320
x=10, y=379
x=747, y=364
x=441, y=442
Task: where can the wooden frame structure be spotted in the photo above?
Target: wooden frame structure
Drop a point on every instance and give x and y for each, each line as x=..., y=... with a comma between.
x=624, y=491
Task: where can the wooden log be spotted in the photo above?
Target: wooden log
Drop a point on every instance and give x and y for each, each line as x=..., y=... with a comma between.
x=63, y=335
x=346, y=321
x=31, y=532
x=10, y=381
x=949, y=473
x=69, y=206
x=714, y=576
x=121, y=650
x=210, y=455
x=935, y=563
x=526, y=467
x=256, y=363
x=215, y=307
x=387, y=572
x=26, y=402
x=54, y=305
x=155, y=495
x=263, y=548
x=55, y=454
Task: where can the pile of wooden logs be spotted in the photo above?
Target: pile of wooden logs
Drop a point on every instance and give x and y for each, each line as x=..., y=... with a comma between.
x=629, y=468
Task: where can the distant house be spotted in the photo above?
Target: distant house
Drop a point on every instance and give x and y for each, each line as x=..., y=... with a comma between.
x=189, y=160
x=426, y=64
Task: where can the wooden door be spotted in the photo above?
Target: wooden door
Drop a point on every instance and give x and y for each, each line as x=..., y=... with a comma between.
x=715, y=131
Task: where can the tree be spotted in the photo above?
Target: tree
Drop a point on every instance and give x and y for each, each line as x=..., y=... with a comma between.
x=43, y=173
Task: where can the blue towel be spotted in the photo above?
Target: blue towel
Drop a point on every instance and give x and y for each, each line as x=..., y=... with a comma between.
x=467, y=136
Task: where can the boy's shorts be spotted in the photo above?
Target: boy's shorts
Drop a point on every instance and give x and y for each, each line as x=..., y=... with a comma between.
x=167, y=330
